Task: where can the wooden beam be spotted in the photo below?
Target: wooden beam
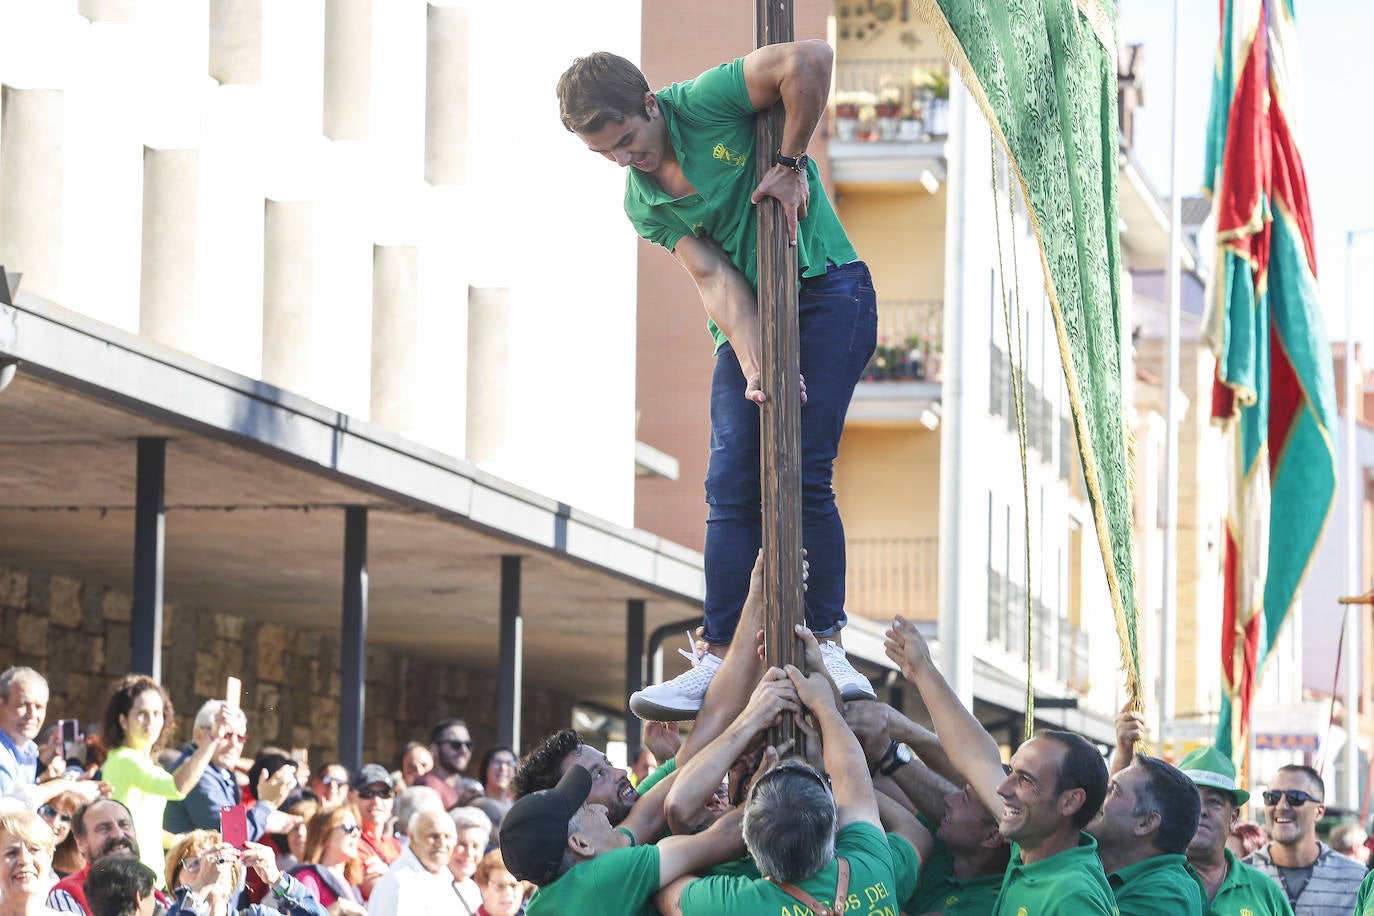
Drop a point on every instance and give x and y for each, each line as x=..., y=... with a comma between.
x=780, y=421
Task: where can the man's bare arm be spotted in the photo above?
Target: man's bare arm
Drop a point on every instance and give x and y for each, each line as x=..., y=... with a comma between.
x=728, y=298
x=971, y=749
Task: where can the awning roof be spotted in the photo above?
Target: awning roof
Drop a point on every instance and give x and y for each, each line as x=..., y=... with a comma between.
x=257, y=479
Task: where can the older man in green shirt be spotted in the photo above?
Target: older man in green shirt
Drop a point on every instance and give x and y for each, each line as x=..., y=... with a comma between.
x=1232, y=888
x=1146, y=822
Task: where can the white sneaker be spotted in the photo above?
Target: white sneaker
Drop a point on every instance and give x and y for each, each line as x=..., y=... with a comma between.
x=852, y=684
x=680, y=698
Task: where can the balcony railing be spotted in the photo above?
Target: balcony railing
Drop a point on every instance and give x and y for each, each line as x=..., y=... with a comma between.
x=909, y=340
x=891, y=100
x=889, y=576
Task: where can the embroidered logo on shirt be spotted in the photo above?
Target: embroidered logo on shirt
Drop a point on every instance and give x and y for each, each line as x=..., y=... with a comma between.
x=723, y=152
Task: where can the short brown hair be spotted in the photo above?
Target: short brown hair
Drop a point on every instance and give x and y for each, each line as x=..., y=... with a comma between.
x=598, y=88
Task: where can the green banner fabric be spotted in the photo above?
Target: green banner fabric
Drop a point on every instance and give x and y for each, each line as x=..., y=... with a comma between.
x=1044, y=74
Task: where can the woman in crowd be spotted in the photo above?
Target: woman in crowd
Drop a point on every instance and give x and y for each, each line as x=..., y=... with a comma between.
x=58, y=812
x=139, y=720
x=207, y=874
x=26, y=846
x=502, y=893
x=474, y=829
x=332, y=870
x=292, y=843
x=498, y=778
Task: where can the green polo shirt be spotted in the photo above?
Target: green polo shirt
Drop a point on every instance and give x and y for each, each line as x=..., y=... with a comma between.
x=711, y=125
x=939, y=891
x=872, y=883
x=621, y=882
x=657, y=776
x=1068, y=884
x=1364, y=902
x=1157, y=885
x=1245, y=891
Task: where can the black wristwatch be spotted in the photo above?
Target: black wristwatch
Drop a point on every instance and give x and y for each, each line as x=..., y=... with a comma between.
x=797, y=164
x=894, y=758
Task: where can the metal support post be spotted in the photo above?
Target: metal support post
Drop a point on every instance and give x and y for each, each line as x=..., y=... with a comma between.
x=634, y=672
x=353, y=654
x=510, y=674
x=149, y=546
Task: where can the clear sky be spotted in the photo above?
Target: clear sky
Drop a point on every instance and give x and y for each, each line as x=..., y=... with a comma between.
x=1335, y=130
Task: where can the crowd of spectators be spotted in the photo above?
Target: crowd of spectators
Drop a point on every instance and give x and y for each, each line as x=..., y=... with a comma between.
x=868, y=811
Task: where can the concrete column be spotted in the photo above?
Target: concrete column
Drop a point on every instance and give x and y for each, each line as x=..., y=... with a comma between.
x=236, y=41
x=108, y=10
x=488, y=369
x=167, y=279
x=395, y=335
x=31, y=141
x=347, y=68
x=446, y=94
x=288, y=292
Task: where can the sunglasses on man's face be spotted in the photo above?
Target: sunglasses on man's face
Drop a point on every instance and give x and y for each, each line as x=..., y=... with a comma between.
x=371, y=793
x=1296, y=798
x=50, y=814
x=455, y=744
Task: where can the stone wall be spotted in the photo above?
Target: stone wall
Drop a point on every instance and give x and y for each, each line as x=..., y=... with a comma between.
x=78, y=635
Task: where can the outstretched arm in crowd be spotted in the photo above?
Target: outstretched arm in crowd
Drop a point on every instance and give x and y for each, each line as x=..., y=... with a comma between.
x=739, y=672
x=971, y=749
x=698, y=780
x=844, y=758
x=914, y=785
x=682, y=858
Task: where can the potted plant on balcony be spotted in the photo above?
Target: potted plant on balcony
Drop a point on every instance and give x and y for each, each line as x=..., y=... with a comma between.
x=937, y=111
x=912, y=126
x=847, y=111
x=929, y=345
x=887, y=112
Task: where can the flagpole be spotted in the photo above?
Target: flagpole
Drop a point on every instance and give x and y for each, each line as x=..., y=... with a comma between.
x=1169, y=605
x=1354, y=492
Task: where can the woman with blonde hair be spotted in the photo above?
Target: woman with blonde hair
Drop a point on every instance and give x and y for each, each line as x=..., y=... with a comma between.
x=332, y=870
x=139, y=720
x=26, y=845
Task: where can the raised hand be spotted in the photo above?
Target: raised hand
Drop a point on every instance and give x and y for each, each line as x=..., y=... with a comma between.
x=907, y=648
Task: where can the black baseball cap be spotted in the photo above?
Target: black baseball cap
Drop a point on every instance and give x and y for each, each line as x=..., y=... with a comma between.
x=534, y=832
x=370, y=775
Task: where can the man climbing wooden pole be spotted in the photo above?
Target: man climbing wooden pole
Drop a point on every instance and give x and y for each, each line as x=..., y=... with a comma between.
x=696, y=176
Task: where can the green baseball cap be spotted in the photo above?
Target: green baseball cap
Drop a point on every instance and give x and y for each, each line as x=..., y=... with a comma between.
x=1209, y=767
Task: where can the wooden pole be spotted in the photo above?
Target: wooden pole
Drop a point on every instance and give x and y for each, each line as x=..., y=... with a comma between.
x=780, y=421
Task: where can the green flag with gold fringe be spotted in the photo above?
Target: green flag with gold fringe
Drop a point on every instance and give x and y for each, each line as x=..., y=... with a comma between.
x=1044, y=74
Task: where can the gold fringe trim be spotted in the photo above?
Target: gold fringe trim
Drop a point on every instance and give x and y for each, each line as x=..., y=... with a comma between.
x=949, y=43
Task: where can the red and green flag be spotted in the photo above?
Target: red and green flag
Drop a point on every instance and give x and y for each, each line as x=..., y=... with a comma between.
x=1274, y=392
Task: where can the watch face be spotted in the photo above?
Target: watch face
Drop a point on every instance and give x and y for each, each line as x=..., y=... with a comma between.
x=802, y=160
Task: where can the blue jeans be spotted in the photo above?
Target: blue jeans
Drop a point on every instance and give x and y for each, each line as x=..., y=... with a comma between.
x=838, y=318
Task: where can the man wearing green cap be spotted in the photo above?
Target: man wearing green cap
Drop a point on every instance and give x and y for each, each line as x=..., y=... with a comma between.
x=1232, y=887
